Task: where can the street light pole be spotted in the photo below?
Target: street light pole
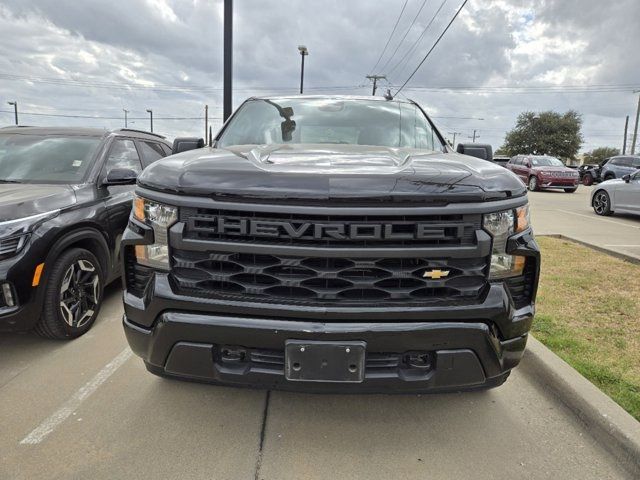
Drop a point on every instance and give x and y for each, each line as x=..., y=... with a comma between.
x=15, y=109
x=227, y=59
x=150, y=112
x=635, y=131
x=125, y=116
x=303, y=52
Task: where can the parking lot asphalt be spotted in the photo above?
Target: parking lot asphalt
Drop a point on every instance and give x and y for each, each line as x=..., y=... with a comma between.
x=88, y=409
x=556, y=212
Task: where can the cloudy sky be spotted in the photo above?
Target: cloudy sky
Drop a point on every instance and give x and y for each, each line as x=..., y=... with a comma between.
x=83, y=62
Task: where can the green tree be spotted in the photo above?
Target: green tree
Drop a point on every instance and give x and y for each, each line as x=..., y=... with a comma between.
x=546, y=133
x=597, y=155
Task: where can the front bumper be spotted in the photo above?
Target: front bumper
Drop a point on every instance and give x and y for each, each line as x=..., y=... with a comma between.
x=551, y=182
x=195, y=347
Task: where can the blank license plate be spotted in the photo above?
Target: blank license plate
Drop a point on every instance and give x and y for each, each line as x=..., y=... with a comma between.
x=341, y=362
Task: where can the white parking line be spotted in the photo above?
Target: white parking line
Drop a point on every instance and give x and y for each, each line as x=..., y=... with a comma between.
x=67, y=409
x=594, y=217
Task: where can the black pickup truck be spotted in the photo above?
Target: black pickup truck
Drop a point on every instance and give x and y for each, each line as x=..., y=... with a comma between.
x=330, y=244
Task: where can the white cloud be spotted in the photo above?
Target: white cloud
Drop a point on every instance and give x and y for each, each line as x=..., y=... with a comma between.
x=151, y=43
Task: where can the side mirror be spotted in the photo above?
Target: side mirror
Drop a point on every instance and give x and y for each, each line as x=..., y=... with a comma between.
x=527, y=164
x=287, y=127
x=627, y=178
x=478, y=150
x=120, y=176
x=186, y=143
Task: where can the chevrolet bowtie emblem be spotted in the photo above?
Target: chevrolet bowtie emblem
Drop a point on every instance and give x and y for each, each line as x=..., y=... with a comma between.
x=436, y=274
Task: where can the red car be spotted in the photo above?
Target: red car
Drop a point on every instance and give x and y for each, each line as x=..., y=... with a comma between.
x=541, y=172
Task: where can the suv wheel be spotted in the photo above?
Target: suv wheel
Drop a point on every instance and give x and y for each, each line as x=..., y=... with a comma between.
x=73, y=295
x=571, y=190
x=533, y=184
x=609, y=176
x=587, y=180
x=602, y=203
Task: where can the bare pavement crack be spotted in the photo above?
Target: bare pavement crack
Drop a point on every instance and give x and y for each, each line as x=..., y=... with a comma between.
x=263, y=429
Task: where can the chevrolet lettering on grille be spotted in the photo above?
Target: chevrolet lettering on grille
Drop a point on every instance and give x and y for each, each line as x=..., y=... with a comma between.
x=320, y=231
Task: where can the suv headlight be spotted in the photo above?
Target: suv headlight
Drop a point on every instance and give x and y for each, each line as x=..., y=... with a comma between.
x=160, y=218
x=15, y=233
x=501, y=226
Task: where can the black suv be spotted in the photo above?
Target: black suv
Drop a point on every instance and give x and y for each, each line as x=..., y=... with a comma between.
x=330, y=243
x=65, y=199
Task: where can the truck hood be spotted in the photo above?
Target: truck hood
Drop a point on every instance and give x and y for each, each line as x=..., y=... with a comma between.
x=26, y=199
x=331, y=173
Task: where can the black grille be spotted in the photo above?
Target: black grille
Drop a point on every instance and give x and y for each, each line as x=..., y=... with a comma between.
x=137, y=276
x=325, y=281
x=445, y=230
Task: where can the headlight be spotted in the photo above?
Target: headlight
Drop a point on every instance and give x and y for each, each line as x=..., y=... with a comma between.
x=502, y=225
x=15, y=233
x=160, y=217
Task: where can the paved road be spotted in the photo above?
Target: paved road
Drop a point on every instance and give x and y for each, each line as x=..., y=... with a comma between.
x=88, y=409
x=556, y=212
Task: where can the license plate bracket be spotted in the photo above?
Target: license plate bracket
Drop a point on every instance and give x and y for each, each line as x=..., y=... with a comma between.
x=316, y=361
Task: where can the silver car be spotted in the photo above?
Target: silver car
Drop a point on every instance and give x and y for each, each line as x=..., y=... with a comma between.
x=621, y=196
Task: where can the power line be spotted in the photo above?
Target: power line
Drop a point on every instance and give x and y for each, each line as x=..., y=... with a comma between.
x=405, y=35
x=101, y=117
x=434, y=46
x=160, y=87
x=419, y=39
x=390, y=36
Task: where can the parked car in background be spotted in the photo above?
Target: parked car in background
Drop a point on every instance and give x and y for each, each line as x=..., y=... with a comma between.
x=65, y=199
x=541, y=172
x=501, y=160
x=590, y=173
x=618, y=167
x=618, y=195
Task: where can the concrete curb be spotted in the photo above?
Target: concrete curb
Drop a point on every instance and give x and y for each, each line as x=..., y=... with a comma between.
x=613, y=253
x=608, y=423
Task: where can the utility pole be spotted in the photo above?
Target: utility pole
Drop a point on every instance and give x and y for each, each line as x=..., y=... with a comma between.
x=375, y=79
x=303, y=52
x=626, y=132
x=150, y=112
x=15, y=109
x=206, y=121
x=475, y=135
x=228, y=59
x=125, y=116
x=455, y=134
x=635, y=131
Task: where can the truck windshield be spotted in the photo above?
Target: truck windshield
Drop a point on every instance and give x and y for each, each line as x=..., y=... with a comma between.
x=31, y=158
x=330, y=121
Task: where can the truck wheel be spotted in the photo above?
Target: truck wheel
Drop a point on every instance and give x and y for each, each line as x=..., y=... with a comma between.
x=602, y=203
x=587, y=180
x=571, y=190
x=533, y=184
x=72, y=296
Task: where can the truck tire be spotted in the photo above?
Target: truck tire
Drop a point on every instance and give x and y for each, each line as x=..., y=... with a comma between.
x=602, y=203
x=73, y=295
